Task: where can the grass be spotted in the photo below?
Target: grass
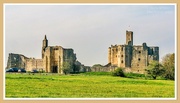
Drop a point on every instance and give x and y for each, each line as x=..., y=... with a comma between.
x=85, y=85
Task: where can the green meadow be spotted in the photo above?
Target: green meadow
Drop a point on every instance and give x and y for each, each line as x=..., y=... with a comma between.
x=85, y=85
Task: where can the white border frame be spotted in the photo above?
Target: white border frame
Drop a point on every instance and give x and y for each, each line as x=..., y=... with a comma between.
x=175, y=5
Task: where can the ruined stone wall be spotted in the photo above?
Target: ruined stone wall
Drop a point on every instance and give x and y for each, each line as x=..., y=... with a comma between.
x=16, y=60
x=34, y=64
x=69, y=57
x=153, y=53
x=129, y=38
x=102, y=69
x=139, y=59
x=120, y=55
x=128, y=56
x=135, y=58
x=55, y=56
x=115, y=55
x=47, y=59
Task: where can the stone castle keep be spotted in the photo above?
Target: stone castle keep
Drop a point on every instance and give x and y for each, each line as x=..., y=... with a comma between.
x=52, y=60
x=132, y=57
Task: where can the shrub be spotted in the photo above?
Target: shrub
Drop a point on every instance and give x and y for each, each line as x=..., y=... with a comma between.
x=118, y=72
x=154, y=69
x=168, y=63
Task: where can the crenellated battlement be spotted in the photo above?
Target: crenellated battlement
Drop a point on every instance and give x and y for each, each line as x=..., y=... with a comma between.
x=135, y=57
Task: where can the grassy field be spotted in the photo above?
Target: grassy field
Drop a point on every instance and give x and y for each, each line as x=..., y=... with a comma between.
x=85, y=85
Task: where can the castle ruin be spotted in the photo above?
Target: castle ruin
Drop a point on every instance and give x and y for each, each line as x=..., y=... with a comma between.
x=52, y=60
x=135, y=58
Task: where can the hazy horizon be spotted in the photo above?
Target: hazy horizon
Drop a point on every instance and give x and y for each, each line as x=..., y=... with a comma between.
x=88, y=29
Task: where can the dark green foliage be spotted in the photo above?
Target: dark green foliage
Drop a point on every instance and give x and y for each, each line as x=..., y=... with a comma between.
x=66, y=68
x=76, y=68
x=97, y=65
x=118, y=72
x=168, y=63
x=154, y=69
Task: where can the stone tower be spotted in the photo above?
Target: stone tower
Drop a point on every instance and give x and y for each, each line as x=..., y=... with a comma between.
x=129, y=38
x=45, y=44
x=135, y=58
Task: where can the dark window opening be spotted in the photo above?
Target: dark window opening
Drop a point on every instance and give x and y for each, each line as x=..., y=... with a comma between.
x=122, y=61
x=121, y=55
x=137, y=64
x=139, y=52
x=139, y=59
x=54, y=70
x=121, y=49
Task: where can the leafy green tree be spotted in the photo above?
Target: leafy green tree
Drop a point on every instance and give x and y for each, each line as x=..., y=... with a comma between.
x=168, y=63
x=154, y=69
x=97, y=65
x=76, y=68
x=118, y=72
x=66, y=68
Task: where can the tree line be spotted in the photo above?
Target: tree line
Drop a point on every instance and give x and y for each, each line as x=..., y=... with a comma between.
x=164, y=69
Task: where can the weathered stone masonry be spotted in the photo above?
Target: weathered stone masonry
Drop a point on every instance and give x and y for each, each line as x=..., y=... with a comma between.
x=52, y=60
x=135, y=58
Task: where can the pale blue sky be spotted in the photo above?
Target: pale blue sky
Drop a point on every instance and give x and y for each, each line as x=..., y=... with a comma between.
x=88, y=29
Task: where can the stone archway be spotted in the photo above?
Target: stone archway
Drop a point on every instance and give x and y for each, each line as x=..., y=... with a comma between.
x=54, y=69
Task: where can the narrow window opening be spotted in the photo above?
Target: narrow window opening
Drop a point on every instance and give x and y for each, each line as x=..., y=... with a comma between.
x=139, y=59
x=122, y=61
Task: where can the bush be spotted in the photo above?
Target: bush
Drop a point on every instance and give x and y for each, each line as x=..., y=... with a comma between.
x=168, y=63
x=154, y=69
x=118, y=72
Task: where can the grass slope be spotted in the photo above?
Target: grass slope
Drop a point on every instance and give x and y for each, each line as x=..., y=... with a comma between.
x=87, y=85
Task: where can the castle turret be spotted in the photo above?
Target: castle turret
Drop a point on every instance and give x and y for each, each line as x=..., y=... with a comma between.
x=129, y=38
x=109, y=55
x=45, y=44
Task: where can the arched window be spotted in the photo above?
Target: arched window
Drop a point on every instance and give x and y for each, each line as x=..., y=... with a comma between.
x=139, y=59
x=122, y=61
